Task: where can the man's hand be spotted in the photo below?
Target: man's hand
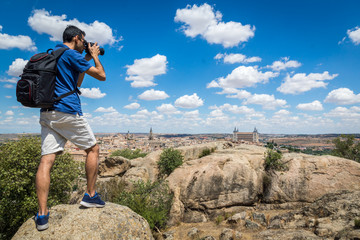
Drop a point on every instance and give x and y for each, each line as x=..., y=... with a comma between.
x=94, y=50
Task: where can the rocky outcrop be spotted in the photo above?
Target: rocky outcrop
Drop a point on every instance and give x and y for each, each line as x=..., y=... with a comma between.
x=223, y=179
x=235, y=177
x=73, y=222
x=114, y=166
x=310, y=177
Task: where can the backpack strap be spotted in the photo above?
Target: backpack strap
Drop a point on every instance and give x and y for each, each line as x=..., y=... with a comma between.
x=57, y=54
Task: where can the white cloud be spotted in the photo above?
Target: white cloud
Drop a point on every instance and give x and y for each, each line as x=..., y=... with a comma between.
x=168, y=109
x=20, y=41
x=281, y=112
x=342, y=96
x=43, y=21
x=283, y=65
x=12, y=80
x=313, y=106
x=344, y=113
x=236, y=109
x=9, y=113
x=266, y=101
x=92, y=93
x=204, y=21
x=192, y=114
x=8, y=97
x=152, y=94
x=242, y=77
x=105, y=110
x=301, y=82
x=17, y=66
x=189, y=101
x=143, y=71
x=236, y=58
x=9, y=86
x=354, y=35
x=217, y=113
x=132, y=106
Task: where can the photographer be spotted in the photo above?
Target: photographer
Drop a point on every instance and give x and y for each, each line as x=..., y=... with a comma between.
x=65, y=120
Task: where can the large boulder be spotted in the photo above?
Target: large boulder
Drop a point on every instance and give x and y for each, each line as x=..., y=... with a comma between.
x=113, y=166
x=310, y=177
x=223, y=179
x=73, y=222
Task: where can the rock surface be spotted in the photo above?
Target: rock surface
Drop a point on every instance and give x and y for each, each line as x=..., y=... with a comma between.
x=73, y=222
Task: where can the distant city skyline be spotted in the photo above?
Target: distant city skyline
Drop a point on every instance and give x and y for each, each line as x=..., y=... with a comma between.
x=284, y=67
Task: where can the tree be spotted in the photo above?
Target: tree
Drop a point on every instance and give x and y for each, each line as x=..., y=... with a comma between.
x=169, y=160
x=346, y=147
x=18, y=166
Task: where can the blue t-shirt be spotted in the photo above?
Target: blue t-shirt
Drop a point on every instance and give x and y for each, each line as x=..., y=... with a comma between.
x=70, y=65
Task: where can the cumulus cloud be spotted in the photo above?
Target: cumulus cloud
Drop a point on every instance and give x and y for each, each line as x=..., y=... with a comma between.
x=8, y=97
x=22, y=42
x=236, y=58
x=105, y=110
x=301, y=82
x=266, y=101
x=9, y=113
x=235, y=109
x=342, y=96
x=204, y=21
x=344, y=113
x=152, y=94
x=92, y=93
x=143, y=71
x=242, y=77
x=132, y=106
x=43, y=21
x=284, y=64
x=354, y=35
x=189, y=101
x=168, y=109
x=191, y=114
x=313, y=106
x=16, y=68
x=9, y=86
x=12, y=80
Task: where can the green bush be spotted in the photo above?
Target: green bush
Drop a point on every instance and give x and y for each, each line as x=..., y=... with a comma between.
x=127, y=153
x=346, y=147
x=357, y=223
x=169, y=160
x=205, y=152
x=273, y=160
x=150, y=200
x=18, y=166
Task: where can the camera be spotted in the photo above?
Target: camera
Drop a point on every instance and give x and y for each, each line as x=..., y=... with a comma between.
x=86, y=45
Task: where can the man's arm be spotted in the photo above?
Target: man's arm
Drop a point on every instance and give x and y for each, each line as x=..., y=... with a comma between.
x=98, y=71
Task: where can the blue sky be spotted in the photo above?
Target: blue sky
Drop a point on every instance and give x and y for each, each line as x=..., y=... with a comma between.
x=197, y=66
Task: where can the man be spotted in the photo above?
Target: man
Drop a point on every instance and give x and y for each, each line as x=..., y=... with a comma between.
x=65, y=121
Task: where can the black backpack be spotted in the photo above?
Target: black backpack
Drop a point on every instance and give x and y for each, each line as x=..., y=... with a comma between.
x=37, y=84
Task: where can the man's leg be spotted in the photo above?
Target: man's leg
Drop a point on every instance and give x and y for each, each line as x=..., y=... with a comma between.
x=43, y=181
x=92, y=167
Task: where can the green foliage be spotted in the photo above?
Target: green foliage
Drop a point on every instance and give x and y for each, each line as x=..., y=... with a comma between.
x=205, y=152
x=150, y=200
x=169, y=160
x=219, y=219
x=357, y=223
x=346, y=147
x=129, y=154
x=273, y=160
x=271, y=144
x=18, y=166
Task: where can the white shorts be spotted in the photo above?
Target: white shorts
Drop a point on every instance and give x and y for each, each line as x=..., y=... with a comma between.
x=58, y=127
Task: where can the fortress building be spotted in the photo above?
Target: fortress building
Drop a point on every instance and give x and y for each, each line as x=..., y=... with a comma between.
x=252, y=137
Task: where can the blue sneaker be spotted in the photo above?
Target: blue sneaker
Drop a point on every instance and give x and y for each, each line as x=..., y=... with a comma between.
x=94, y=201
x=42, y=221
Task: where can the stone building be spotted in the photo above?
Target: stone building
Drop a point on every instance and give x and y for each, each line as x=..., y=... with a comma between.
x=246, y=136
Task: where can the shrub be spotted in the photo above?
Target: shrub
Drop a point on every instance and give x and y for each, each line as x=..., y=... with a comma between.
x=357, y=223
x=18, y=167
x=150, y=200
x=346, y=147
x=219, y=219
x=169, y=160
x=205, y=152
x=129, y=154
x=273, y=160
